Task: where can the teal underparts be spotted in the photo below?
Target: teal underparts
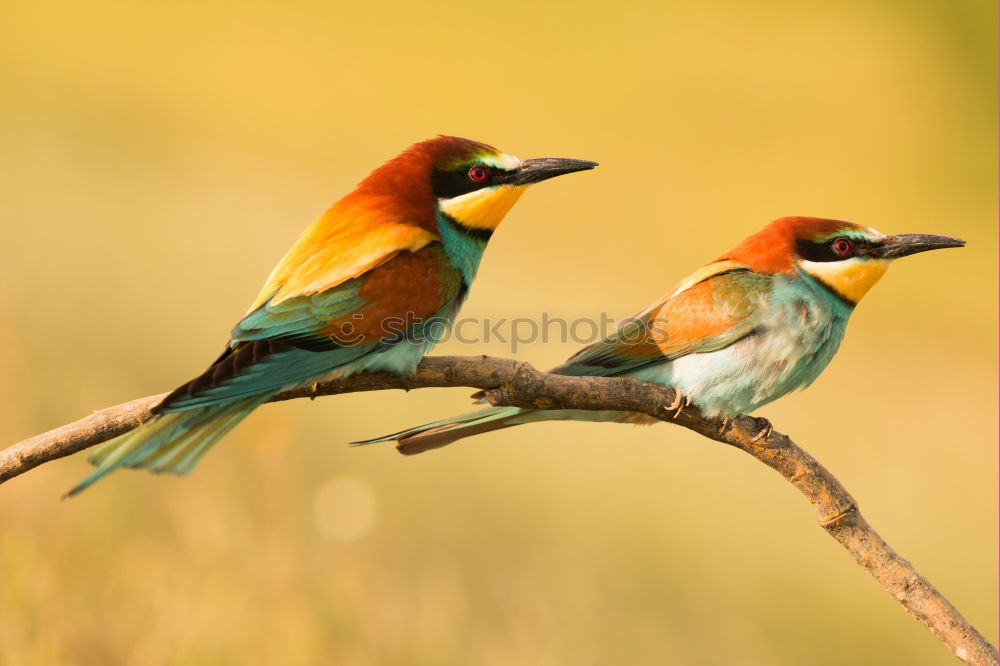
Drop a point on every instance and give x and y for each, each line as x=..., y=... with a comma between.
x=464, y=248
x=796, y=332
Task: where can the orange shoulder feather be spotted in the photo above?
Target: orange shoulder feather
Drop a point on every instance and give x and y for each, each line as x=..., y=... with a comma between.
x=350, y=239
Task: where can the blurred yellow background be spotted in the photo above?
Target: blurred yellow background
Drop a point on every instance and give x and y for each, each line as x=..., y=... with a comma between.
x=159, y=158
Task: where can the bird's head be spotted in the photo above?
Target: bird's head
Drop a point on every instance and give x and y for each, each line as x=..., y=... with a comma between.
x=472, y=183
x=477, y=185
x=847, y=258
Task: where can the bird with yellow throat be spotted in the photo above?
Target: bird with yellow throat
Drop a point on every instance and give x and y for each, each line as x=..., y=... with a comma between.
x=760, y=321
x=397, y=254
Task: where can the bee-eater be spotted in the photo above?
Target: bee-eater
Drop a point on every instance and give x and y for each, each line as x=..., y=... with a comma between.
x=352, y=294
x=760, y=321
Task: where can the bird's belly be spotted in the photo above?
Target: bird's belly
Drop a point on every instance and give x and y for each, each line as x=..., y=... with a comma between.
x=752, y=372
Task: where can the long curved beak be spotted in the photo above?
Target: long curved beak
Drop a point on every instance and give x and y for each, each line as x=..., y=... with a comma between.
x=902, y=245
x=543, y=168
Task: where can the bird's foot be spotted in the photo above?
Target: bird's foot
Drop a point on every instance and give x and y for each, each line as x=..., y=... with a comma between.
x=679, y=403
x=764, y=429
x=315, y=391
x=724, y=426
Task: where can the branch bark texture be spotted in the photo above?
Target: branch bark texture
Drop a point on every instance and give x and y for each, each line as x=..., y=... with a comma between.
x=511, y=383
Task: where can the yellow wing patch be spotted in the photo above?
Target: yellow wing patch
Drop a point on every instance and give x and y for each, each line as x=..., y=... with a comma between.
x=345, y=242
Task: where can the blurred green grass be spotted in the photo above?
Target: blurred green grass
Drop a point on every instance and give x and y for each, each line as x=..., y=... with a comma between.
x=158, y=159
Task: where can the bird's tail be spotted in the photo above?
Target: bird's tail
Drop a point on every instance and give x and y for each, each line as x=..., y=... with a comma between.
x=171, y=442
x=441, y=433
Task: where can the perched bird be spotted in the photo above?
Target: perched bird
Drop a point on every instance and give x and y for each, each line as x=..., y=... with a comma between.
x=760, y=321
x=354, y=293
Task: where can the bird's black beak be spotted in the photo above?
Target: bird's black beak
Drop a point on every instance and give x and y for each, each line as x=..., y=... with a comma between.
x=543, y=168
x=902, y=245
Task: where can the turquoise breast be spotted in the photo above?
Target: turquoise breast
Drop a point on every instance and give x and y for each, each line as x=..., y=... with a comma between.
x=796, y=334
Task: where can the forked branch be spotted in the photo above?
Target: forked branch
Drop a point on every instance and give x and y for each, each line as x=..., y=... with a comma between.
x=510, y=383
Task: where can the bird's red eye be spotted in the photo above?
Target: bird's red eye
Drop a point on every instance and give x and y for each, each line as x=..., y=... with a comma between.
x=842, y=246
x=478, y=174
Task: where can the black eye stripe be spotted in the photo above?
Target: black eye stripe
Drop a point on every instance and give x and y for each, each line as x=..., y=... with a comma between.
x=824, y=251
x=448, y=184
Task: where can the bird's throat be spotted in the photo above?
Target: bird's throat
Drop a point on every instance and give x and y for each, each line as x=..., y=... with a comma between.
x=463, y=245
x=850, y=279
x=482, y=209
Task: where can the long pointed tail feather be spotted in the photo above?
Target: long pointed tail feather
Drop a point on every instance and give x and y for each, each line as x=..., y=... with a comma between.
x=441, y=433
x=172, y=442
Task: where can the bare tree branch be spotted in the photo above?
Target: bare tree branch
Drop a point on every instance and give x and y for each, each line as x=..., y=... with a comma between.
x=510, y=383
